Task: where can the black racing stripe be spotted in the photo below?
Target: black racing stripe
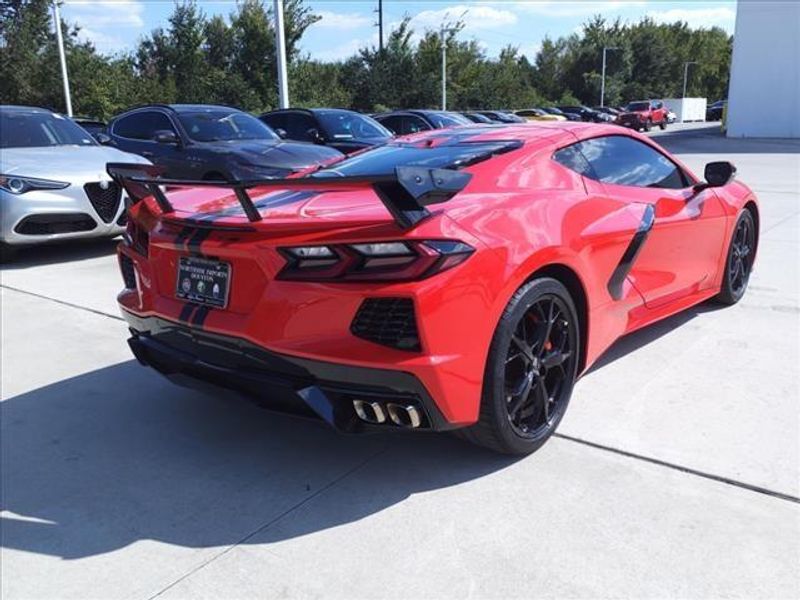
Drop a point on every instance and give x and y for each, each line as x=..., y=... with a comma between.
x=272, y=200
x=182, y=236
x=200, y=316
x=186, y=312
x=197, y=240
x=631, y=252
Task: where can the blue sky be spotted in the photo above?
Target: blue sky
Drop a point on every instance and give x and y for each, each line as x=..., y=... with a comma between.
x=116, y=25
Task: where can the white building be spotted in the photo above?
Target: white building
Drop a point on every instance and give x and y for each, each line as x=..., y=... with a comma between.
x=764, y=93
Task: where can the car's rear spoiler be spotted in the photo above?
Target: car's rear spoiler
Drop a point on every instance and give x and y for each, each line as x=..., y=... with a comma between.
x=406, y=193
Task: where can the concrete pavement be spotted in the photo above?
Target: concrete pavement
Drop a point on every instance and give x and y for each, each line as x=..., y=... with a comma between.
x=117, y=484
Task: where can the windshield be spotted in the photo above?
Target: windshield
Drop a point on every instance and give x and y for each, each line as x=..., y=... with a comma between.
x=224, y=125
x=638, y=106
x=343, y=125
x=35, y=130
x=383, y=159
x=441, y=120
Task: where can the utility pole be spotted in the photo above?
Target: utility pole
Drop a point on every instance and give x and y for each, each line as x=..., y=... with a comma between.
x=686, y=74
x=603, y=79
x=380, y=25
x=62, y=57
x=444, y=67
x=280, y=43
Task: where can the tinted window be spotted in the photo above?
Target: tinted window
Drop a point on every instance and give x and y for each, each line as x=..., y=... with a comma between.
x=275, y=120
x=343, y=125
x=622, y=160
x=572, y=158
x=638, y=106
x=412, y=124
x=32, y=130
x=442, y=119
x=223, y=125
x=298, y=125
x=383, y=159
x=142, y=125
x=391, y=122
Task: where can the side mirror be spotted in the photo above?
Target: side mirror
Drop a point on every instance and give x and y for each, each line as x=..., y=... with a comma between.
x=165, y=136
x=103, y=138
x=282, y=133
x=719, y=173
x=315, y=135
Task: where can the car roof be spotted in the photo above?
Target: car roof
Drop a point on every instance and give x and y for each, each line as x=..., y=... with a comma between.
x=12, y=108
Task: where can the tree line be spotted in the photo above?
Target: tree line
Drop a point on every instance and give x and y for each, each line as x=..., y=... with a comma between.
x=197, y=58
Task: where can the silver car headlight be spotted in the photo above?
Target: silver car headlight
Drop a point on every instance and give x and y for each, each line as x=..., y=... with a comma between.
x=19, y=185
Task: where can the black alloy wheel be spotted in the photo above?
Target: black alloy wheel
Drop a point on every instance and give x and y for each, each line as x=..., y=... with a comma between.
x=739, y=263
x=532, y=367
x=537, y=366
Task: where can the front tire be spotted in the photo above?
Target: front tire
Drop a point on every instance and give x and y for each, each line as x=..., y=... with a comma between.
x=530, y=371
x=648, y=125
x=663, y=125
x=739, y=263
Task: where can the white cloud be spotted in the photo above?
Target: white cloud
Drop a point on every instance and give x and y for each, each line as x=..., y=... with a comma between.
x=530, y=50
x=475, y=17
x=721, y=16
x=102, y=21
x=573, y=9
x=342, y=21
x=346, y=49
x=99, y=14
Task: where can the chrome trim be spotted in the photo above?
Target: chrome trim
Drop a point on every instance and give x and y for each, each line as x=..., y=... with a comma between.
x=378, y=415
x=413, y=418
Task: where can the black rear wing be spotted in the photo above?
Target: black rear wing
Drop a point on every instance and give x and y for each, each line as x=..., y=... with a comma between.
x=406, y=193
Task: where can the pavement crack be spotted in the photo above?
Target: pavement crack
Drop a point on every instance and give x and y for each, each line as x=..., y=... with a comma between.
x=63, y=303
x=682, y=469
x=272, y=521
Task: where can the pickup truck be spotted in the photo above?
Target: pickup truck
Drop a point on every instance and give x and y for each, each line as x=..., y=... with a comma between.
x=643, y=114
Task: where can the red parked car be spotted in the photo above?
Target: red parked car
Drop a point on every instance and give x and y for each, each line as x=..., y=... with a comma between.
x=454, y=279
x=642, y=115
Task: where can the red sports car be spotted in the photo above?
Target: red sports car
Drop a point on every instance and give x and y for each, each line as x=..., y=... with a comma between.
x=454, y=279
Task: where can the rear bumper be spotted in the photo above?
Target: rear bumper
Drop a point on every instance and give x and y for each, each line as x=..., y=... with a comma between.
x=326, y=390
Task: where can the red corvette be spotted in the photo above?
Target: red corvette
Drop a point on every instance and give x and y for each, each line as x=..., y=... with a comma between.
x=454, y=279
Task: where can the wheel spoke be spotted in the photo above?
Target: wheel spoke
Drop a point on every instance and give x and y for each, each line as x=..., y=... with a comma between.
x=555, y=358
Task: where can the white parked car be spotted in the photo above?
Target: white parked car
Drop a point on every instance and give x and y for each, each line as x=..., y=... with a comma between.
x=53, y=180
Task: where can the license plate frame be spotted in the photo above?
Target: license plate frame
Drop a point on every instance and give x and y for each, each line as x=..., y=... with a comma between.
x=203, y=281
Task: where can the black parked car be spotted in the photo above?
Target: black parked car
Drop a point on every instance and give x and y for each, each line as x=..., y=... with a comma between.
x=587, y=114
x=345, y=130
x=714, y=111
x=403, y=122
x=478, y=118
x=554, y=111
x=199, y=141
x=94, y=127
x=501, y=116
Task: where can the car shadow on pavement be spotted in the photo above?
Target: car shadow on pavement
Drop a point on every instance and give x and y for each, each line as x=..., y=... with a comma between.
x=119, y=455
x=62, y=252
x=642, y=337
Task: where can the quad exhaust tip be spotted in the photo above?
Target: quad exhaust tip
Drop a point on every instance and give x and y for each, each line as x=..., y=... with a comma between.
x=402, y=415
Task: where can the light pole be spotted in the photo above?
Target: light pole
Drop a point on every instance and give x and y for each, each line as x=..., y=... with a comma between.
x=603, y=78
x=280, y=42
x=442, y=31
x=62, y=57
x=686, y=74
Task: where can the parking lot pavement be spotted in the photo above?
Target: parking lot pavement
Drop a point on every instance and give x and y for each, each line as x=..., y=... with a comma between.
x=677, y=476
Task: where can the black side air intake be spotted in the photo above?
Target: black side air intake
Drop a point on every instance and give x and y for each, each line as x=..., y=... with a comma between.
x=389, y=322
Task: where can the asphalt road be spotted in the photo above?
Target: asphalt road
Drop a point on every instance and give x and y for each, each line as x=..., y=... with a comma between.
x=676, y=472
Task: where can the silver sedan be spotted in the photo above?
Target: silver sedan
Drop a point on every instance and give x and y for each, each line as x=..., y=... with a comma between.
x=53, y=180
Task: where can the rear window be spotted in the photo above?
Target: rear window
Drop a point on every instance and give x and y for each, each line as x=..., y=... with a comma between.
x=638, y=106
x=383, y=159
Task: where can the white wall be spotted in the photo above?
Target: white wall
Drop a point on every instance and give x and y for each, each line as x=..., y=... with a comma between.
x=764, y=94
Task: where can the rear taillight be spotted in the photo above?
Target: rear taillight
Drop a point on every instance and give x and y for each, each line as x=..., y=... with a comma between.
x=373, y=261
x=136, y=237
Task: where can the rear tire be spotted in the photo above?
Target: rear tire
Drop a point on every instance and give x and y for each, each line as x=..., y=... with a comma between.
x=663, y=125
x=530, y=371
x=648, y=125
x=739, y=263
